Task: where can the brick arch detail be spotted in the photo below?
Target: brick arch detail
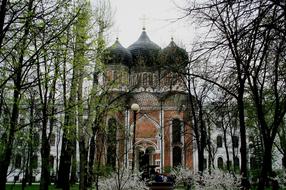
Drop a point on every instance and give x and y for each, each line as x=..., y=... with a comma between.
x=145, y=143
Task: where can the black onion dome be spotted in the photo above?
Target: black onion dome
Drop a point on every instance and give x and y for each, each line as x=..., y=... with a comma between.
x=144, y=51
x=173, y=55
x=117, y=54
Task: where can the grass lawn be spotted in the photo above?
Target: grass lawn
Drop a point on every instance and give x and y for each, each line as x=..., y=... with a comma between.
x=33, y=187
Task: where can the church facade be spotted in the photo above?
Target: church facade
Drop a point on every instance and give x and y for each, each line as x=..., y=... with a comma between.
x=159, y=134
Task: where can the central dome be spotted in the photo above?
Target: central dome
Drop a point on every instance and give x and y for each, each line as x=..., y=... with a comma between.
x=144, y=51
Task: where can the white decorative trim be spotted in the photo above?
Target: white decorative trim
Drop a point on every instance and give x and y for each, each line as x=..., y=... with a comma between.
x=171, y=142
x=163, y=140
x=183, y=142
x=126, y=137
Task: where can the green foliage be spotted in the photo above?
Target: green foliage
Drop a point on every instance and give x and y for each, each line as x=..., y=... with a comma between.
x=34, y=187
x=167, y=169
x=102, y=170
x=70, y=135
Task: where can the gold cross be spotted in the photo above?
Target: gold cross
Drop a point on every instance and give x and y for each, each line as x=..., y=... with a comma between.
x=117, y=32
x=172, y=32
x=144, y=19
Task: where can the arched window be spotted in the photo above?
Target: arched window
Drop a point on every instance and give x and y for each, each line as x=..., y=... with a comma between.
x=219, y=141
x=34, y=161
x=177, y=156
x=176, y=131
x=52, y=160
x=145, y=79
x=150, y=77
x=139, y=79
x=235, y=141
x=253, y=164
x=155, y=80
x=111, y=142
x=53, y=139
x=18, y=161
x=220, y=163
x=236, y=163
x=205, y=164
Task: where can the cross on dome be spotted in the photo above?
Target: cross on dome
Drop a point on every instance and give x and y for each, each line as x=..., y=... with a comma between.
x=117, y=32
x=172, y=31
x=144, y=20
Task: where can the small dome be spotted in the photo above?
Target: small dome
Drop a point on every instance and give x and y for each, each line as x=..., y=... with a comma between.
x=173, y=55
x=117, y=54
x=144, y=51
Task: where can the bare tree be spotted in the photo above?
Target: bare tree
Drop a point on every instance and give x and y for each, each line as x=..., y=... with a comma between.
x=246, y=30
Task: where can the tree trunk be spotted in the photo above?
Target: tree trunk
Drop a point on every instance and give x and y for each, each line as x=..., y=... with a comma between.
x=7, y=153
x=82, y=128
x=226, y=150
x=73, y=178
x=65, y=164
x=266, y=166
x=243, y=152
x=91, y=160
x=197, y=135
x=210, y=164
x=69, y=133
x=233, y=156
x=31, y=134
x=202, y=139
x=45, y=155
x=3, y=10
x=201, y=158
x=83, y=166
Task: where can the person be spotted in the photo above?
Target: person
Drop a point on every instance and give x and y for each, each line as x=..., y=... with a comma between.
x=170, y=179
x=152, y=173
x=158, y=177
x=144, y=175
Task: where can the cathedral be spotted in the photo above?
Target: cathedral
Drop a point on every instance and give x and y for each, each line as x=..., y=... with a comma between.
x=155, y=128
x=150, y=130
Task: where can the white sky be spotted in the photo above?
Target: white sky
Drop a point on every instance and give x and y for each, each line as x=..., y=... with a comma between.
x=128, y=22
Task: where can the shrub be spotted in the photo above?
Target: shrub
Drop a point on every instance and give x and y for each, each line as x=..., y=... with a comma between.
x=216, y=180
x=122, y=179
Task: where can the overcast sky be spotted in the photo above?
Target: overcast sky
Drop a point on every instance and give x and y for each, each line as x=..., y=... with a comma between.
x=159, y=15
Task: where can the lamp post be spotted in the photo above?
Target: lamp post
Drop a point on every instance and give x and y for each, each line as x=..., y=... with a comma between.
x=135, y=108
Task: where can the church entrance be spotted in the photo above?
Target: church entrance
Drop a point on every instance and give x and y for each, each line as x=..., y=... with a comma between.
x=146, y=158
x=143, y=160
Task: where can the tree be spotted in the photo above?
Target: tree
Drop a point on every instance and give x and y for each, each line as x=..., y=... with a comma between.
x=281, y=144
x=3, y=10
x=81, y=49
x=198, y=92
x=25, y=40
x=246, y=30
x=97, y=95
x=19, y=72
x=48, y=73
x=85, y=45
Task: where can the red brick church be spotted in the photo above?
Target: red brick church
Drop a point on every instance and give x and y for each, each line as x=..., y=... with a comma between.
x=144, y=74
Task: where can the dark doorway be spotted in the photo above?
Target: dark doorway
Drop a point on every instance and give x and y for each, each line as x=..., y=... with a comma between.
x=177, y=156
x=143, y=160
